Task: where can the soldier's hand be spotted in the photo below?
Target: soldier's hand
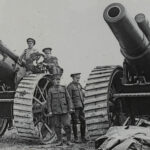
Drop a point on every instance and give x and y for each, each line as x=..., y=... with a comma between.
x=71, y=111
x=49, y=114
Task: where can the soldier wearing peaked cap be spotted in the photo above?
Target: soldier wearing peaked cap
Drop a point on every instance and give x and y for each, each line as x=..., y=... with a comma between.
x=59, y=106
x=30, y=55
x=31, y=40
x=51, y=62
x=76, y=93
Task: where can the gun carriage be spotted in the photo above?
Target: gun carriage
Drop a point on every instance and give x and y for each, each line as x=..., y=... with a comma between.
x=23, y=98
x=120, y=95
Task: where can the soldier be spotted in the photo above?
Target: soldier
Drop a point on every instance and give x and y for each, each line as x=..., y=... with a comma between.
x=51, y=62
x=59, y=107
x=30, y=55
x=76, y=92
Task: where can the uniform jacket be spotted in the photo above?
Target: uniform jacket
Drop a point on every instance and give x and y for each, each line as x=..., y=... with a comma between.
x=76, y=93
x=59, y=101
x=51, y=60
x=27, y=54
x=53, y=66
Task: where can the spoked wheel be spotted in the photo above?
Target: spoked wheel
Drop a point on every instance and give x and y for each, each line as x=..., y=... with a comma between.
x=3, y=126
x=30, y=109
x=116, y=116
x=3, y=122
x=100, y=109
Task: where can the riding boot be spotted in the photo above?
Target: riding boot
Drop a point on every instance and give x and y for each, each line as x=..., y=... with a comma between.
x=83, y=130
x=75, y=132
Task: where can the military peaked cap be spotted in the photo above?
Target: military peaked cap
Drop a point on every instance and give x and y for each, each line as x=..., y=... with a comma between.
x=74, y=74
x=31, y=40
x=47, y=49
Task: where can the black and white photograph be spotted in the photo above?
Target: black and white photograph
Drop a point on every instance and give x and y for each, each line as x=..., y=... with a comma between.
x=74, y=75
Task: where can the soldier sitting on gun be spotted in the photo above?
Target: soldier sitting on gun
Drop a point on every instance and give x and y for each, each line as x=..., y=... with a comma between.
x=76, y=92
x=29, y=56
x=51, y=62
x=59, y=107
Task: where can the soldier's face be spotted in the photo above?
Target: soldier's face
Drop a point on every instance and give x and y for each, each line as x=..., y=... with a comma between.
x=48, y=54
x=76, y=79
x=30, y=44
x=57, y=81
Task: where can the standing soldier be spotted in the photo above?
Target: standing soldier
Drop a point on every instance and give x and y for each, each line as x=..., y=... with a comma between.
x=30, y=55
x=51, y=62
x=59, y=107
x=76, y=92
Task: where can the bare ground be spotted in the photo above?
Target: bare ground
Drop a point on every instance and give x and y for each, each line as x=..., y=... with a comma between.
x=11, y=141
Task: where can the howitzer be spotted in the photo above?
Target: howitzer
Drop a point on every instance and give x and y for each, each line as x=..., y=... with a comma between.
x=9, y=66
x=23, y=97
x=133, y=42
x=121, y=94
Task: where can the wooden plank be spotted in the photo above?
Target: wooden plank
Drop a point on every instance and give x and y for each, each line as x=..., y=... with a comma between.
x=22, y=112
x=98, y=126
x=96, y=92
x=104, y=68
x=95, y=98
x=22, y=107
x=24, y=119
x=98, y=80
x=96, y=113
x=24, y=124
x=26, y=102
x=99, y=75
x=94, y=106
x=32, y=138
x=26, y=82
x=28, y=135
x=25, y=91
x=23, y=95
x=97, y=86
x=101, y=72
x=97, y=133
x=23, y=115
x=26, y=130
x=23, y=86
x=97, y=120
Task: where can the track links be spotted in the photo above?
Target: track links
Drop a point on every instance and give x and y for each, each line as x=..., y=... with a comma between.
x=96, y=104
x=23, y=117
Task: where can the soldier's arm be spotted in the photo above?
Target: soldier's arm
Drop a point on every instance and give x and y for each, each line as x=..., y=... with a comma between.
x=69, y=100
x=83, y=92
x=69, y=88
x=22, y=55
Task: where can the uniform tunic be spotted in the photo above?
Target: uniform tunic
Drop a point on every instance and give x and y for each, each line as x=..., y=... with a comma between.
x=59, y=103
x=53, y=66
x=76, y=93
x=30, y=55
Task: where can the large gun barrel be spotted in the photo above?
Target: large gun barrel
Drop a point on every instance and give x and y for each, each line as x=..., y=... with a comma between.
x=7, y=52
x=143, y=24
x=132, y=39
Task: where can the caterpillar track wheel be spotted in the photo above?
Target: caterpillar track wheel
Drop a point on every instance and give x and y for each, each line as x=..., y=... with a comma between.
x=100, y=111
x=3, y=121
x=30, y=109
x=3, y=126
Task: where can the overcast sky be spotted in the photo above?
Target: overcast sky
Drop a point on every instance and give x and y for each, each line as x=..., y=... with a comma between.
x=75, y=29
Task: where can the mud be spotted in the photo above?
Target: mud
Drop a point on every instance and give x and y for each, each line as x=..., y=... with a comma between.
x=11, y=141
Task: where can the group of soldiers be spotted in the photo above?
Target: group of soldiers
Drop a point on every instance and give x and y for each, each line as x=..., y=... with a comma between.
x=65, y=105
